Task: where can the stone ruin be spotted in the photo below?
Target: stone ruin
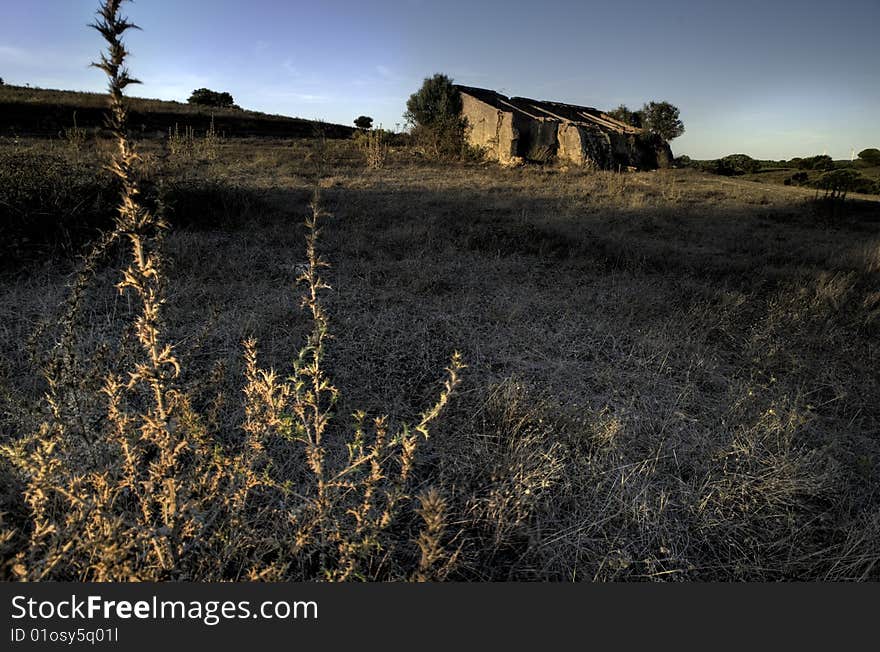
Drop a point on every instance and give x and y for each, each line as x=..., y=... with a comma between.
x=516, y=129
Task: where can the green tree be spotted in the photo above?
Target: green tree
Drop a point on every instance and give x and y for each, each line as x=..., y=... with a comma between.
x=207, y=97
x=733, y=165
x=819, y=162
x=871, y=156
x=363, y=122
x=683, y=161
x=662, y=118
x=624, y=114
x=837, y=183
x=434, y=112
x=437, y=101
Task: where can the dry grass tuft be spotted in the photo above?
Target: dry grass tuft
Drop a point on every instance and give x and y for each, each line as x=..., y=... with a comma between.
x=373, y=143
x=184, y=147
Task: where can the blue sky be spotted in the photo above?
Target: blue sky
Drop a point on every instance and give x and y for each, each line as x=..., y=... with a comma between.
x=774, y=79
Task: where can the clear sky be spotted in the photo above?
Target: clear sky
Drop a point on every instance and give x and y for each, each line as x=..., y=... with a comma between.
x=771, y=78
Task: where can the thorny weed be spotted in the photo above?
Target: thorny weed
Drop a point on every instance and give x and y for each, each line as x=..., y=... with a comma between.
x=181, y=145
x=377, y=462
x=434, y=562
x=373, y=144
x=74, y=137
x=185, y=145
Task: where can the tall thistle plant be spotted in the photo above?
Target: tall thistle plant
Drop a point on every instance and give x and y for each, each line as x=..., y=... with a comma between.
x=140, y=227
x=146, y=436
x=126, y=504
x=345, y=517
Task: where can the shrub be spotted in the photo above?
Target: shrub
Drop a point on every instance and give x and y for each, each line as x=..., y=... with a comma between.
x=207, y=97
x=820, y=162
x=837, y=183
x=662, y=118
x=796, y=179
x=434, y=112
x=435, y=102
x=733, y=165
x=625, y=115
x=683, y=161
x=871, y=156
x=443, y=140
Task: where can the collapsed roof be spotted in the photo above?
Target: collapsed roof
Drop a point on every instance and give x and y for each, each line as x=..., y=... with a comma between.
x=544, y=109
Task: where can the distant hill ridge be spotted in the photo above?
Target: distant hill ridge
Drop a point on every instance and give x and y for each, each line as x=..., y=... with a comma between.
x=26, y=111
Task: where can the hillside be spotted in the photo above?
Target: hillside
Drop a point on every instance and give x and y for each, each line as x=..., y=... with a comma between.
x=28, y=111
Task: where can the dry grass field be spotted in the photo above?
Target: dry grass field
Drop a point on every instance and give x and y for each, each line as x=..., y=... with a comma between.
x=670, y=375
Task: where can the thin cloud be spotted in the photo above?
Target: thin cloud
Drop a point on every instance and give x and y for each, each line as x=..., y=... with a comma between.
x=308, y=98
x=10, y=54
x=311, y=99
x=43, y=59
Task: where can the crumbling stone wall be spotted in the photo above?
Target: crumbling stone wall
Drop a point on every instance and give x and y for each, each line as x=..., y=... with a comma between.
x=584, y=145
x=538, y=138
x=644, y=151
x=572, y=144
x=490, y=129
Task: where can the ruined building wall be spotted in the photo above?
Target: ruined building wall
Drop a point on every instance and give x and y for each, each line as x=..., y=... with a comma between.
x=571, y=144
x=662, y=152
x=625, y=151
x=490, y=129
x=609, y=150
x=644, y=151
x=584, y=145
x=508, y=138
x=538, y=138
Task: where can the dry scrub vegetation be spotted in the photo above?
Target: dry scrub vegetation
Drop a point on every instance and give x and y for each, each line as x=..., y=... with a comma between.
x=669, y=376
